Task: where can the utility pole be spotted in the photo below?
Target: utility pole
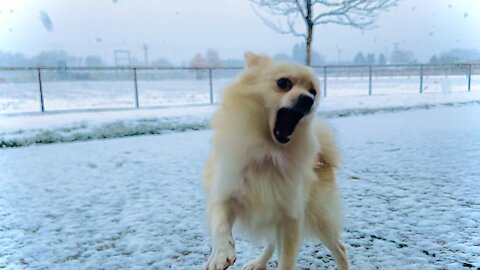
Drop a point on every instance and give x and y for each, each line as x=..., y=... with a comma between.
x=145, y=52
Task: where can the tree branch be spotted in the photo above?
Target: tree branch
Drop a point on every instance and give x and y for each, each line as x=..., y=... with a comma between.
x=356, y=13
x=300, y=8
x=279, y=8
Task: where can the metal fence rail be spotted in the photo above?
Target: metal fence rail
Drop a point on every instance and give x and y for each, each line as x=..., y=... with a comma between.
x=324, y=72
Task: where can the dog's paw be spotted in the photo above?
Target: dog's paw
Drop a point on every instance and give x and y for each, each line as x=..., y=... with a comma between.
x=223, y=256
x=254, y=265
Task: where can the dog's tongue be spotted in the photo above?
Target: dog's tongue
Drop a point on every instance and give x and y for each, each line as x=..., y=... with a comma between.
x=287, y=120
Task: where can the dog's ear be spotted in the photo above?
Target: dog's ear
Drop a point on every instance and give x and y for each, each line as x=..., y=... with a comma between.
x=252, y=59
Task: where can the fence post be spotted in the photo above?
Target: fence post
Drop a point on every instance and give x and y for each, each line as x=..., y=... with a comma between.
x=370, y=80
x=211, y=84
x=137, y=105
x=469, y=76
x=421, y=79
x=324, y=81
x=42, y=105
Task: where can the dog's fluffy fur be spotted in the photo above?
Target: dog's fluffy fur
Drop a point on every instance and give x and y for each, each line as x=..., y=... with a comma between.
x=276, y=191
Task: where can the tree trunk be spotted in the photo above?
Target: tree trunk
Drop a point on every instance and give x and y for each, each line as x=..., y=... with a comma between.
x=308, y=55
x=309, y=23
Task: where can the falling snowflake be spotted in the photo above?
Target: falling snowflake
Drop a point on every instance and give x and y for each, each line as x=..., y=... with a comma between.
x=47, y=23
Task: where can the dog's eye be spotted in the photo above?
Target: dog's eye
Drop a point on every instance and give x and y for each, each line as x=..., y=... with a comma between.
x=312, y=91
x=284, y=84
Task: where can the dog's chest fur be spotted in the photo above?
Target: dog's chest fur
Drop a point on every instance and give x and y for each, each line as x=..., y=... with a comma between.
x=273, y=188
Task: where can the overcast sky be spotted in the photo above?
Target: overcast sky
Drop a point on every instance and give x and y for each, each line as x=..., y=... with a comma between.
x=177, y=30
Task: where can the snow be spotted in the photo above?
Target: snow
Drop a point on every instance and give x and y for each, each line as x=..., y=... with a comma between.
x=170, y=101
x=409, y=183
x=25, y=129
x=45, y=19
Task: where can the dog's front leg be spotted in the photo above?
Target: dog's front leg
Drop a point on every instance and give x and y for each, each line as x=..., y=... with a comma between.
x=288, y=242
x=221, y=219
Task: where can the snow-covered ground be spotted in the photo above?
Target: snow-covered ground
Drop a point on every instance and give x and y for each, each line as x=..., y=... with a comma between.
x=87, y=94
x=25, y=129
x=184, y=103
x=410, y=183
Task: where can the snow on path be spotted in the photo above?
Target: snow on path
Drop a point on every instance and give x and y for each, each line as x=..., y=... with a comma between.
x=410, y=184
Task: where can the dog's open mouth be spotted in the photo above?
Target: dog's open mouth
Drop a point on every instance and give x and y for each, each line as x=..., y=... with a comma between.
x=285, y=123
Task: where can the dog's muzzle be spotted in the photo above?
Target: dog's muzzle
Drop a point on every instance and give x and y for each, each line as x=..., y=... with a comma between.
x=288, y=118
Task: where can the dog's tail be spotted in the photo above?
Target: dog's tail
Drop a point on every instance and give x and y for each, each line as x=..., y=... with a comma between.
x=329, y=155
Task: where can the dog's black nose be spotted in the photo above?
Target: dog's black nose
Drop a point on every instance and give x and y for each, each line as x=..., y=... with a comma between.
x=304, y=103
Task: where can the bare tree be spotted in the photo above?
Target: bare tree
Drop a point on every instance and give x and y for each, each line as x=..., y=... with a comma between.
x=198, y=62
x=213, y=59
x=355, y=13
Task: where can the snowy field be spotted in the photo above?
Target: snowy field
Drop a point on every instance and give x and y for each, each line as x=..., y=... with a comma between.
x=410, y=183
x=183, y=104
x=88, y=94
x=26, y=129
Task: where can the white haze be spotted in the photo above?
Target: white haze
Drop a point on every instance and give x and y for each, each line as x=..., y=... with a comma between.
x=177, y=30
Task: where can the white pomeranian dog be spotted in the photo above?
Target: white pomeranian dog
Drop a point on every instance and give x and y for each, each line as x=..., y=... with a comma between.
x=272, y=168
